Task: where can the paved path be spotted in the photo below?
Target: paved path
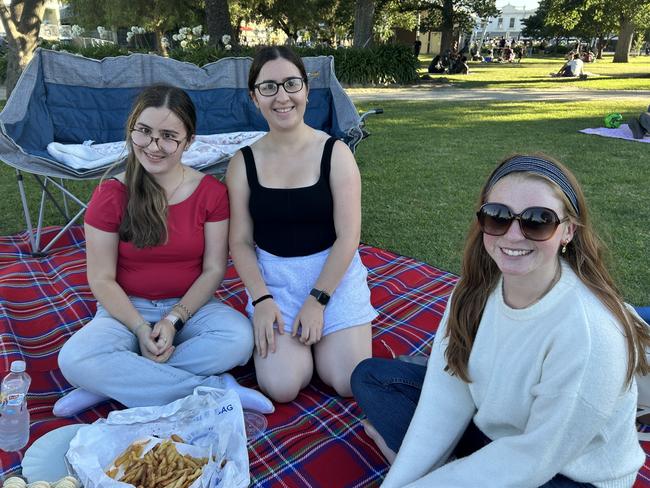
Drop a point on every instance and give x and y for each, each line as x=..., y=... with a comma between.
x=445, y=92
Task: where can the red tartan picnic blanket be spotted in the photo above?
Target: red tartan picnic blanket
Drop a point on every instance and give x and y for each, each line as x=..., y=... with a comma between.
x=314, y=441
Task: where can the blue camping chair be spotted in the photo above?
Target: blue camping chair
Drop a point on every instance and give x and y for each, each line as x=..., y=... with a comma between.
x=69, y=99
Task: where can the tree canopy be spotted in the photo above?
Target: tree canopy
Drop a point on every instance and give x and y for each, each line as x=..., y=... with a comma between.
x=449, y=16
x=599, y=17
x=321, y=18
x=154, y=15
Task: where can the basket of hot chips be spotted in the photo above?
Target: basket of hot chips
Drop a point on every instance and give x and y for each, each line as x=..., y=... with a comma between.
x=196, y=442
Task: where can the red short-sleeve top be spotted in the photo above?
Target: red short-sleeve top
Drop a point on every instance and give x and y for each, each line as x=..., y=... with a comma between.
x=168, y=270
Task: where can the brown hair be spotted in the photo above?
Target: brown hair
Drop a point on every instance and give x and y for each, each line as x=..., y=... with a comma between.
x=586, y=256
x=269, y=53
x=145, y=218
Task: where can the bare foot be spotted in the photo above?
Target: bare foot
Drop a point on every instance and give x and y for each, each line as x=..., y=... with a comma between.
x=388, y=453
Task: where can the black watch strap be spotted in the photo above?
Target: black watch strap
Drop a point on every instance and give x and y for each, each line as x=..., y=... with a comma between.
x=320, y=296
x=179, y=324
x=176, y=321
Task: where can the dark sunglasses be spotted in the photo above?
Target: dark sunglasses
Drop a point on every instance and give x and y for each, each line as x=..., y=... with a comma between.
x=536, y=223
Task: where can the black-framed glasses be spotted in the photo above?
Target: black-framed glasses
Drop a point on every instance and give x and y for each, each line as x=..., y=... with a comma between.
x=143, y=138
x=269, y=88
x=536, y=223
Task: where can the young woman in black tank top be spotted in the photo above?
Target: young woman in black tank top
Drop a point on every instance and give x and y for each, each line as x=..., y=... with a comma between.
x=295, y=199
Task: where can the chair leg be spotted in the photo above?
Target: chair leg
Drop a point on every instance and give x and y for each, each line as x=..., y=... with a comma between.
x=64, y=195
x=28, y=218
x=35, y=233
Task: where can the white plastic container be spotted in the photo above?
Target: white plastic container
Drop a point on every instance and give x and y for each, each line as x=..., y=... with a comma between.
x=14, y=416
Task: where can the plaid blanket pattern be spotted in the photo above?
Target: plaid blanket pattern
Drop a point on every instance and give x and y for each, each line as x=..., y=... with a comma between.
x=315, y=441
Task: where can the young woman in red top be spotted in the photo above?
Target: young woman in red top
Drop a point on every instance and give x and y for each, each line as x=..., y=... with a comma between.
x=157, y=247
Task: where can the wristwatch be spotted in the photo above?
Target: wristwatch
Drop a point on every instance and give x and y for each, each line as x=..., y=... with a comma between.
x=176, y=321
x=320, y=296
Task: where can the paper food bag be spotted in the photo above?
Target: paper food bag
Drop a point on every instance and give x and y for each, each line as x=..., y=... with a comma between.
x=211, y=420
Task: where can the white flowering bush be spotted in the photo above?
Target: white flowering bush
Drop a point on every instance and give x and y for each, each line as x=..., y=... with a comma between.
x=136, y=37
x=225, y=40
x=193, y=46
x=77, y=30
x=103, y=32
x=191, y=38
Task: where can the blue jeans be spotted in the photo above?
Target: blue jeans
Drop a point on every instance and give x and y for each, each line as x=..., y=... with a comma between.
x=644, y=312
x=388, y=391
x=103, y=357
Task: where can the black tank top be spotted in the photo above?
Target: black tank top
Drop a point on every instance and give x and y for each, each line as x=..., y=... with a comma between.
x=292, y=221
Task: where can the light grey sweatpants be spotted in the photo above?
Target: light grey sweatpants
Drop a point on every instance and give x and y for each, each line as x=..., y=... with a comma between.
x=103, y=357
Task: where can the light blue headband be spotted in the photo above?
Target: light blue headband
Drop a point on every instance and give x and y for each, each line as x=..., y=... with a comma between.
x=542, y=167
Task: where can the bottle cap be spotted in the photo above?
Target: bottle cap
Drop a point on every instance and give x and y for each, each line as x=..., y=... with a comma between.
x=18, y=367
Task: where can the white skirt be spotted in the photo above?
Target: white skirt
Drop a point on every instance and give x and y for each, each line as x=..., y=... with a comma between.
x=291, y=279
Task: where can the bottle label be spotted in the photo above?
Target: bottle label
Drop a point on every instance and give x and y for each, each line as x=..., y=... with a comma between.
x=14, y=399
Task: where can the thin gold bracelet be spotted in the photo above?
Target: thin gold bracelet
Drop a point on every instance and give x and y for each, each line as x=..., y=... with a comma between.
x=181, y=306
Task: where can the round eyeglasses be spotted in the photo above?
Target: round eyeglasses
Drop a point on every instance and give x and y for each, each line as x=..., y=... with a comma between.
x=142, y=138
x=536, y=223
x=269, y=88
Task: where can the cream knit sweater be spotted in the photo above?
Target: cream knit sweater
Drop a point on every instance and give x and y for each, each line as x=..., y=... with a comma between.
x=547, y=388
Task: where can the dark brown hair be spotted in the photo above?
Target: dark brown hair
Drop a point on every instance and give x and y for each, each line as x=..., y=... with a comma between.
x=145, y=218
x=586, y=256
x=269, y=53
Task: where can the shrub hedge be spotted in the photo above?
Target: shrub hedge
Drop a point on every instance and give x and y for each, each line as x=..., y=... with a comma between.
x=380, y=65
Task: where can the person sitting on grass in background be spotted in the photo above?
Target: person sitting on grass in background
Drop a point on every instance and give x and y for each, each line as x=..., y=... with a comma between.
x=436, y=66
x=572, y=68
x=157, y=247
x=531, y=378
x=295, y=197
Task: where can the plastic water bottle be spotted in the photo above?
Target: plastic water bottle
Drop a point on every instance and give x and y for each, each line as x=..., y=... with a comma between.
x=14, y=416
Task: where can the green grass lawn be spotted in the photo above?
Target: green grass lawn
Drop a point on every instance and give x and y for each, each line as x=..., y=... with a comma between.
x=534, y=73
x=425, y=161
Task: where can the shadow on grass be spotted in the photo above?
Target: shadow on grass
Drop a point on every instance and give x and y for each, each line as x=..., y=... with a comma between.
x=544, y=81
x=523, y=83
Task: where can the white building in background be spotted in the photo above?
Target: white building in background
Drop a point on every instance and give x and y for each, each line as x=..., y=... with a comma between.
x=51, y=20
x=508, y=24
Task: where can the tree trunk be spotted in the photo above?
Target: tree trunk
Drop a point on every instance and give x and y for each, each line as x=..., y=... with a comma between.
x=364, y=21
x=236, y=32
x=624, y=44
x=217, y=18
x=160, y=47
x=22, y=23
x=600, y=46
x=447, y=26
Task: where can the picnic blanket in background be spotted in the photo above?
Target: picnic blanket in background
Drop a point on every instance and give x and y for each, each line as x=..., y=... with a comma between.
x=622, y=132
x=315, y=441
